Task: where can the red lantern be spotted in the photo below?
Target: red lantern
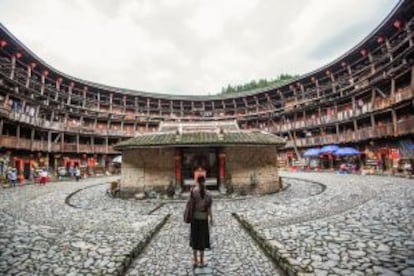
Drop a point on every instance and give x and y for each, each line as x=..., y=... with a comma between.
x=398, y=24
x=18, y=55
x=313, y=79
x=59, y=80
x=72, y=84
x=33, y=65
x=380, y=39
x=363, y=52
x=343, y=63
x=328, y=73
x=45, y=73
x=3, y=43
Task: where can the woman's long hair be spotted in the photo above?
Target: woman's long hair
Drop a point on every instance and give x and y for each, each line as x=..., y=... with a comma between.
x=201, y=180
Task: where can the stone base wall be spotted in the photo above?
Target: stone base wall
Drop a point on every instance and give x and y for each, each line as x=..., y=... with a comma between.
x=253, y=169
x=145, y=170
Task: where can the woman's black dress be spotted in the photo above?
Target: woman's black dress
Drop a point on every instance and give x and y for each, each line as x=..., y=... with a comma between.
x=200, y=235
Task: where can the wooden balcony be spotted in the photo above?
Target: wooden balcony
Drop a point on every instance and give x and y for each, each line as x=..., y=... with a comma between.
x=382, y=131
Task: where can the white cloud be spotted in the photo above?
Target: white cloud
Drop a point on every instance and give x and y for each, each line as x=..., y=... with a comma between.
x=182, y=46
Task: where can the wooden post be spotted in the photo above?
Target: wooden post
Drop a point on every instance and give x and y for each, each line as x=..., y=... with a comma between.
x=394, y=122
x=77, y=143
x=32, y=135
x=18, y=134
x=99, y=101
x=49, y=141
x=178, y=176
x=62, y=141
x=222, y=168
x=29, y=75
x=13, y=67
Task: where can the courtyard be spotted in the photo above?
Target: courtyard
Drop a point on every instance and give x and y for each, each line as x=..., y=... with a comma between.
x=321, y=224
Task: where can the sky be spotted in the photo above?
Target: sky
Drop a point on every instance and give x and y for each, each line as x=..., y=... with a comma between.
x=189, y=47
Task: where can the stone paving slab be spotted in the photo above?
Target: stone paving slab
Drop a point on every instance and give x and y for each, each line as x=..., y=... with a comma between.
x=233, y=252
x=41, y=235
x=374, y=237
x=320, y=223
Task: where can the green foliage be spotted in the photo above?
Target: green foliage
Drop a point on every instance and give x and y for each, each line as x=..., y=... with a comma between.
x=280, y=80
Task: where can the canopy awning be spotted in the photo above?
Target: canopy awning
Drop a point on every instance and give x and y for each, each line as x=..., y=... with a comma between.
x=347, y=151
x=329, y=149
x=314, y=152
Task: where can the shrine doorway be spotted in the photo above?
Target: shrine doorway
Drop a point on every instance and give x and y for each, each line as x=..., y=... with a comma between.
x=207, y=158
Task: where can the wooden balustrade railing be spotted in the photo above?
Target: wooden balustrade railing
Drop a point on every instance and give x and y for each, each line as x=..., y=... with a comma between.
x=385, y=130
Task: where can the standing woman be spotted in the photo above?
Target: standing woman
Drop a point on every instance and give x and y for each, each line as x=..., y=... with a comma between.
x=200, y=236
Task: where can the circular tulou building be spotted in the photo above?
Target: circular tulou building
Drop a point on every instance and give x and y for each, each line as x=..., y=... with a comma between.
x=363, y=99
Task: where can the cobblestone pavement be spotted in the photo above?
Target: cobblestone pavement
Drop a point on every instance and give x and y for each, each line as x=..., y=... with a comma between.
x=320, y=224
x=233, y=252
x=359, y=225
x=41, y=235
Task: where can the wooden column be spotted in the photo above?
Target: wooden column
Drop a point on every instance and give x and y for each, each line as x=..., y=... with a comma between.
x=49, y=141
x=70, y=93
x=18, y=134
x=13, y=67
x=29, y=75
x=62, y=141
x=178, y=176
x=85, y=90
x=77, y=143
x=32, y=135
x=106, y=144
x=98, y=104
x=394, y=122
x=222, y=167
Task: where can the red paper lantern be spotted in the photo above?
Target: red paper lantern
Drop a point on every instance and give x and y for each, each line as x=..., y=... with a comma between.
x=18, y=55
x=3, y=43
x=380, y=39
x=343, y=63
x=33, y=65
x=398, y=24
x=59, y=80
x=45, y=73
x=363, y=52
x=328, y=73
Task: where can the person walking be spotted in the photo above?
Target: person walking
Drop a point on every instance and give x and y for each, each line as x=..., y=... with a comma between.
x=77, y=173
x=199, y=234
x=43, y=177
x=13, y=177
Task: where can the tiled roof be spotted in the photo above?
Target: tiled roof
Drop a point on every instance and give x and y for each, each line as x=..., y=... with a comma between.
x=201, y=138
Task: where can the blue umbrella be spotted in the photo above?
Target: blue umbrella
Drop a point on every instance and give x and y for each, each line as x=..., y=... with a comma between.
x=328, y=149
x=347, y=152
x=312, y=152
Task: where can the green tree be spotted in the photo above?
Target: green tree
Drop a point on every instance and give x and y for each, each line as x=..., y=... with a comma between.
x=280, y=80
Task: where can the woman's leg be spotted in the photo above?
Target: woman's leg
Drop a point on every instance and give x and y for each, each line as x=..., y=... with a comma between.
x=201, y=257
x=194, y=257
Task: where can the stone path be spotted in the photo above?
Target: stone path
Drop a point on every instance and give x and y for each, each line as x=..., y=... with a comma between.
x=321, y=224
x=233, y=252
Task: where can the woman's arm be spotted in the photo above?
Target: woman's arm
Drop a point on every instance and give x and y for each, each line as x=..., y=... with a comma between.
x=210, y=216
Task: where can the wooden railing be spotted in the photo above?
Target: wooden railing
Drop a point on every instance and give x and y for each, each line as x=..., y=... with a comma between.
x=381, y=103
x=36, y=145
x=381, y=131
